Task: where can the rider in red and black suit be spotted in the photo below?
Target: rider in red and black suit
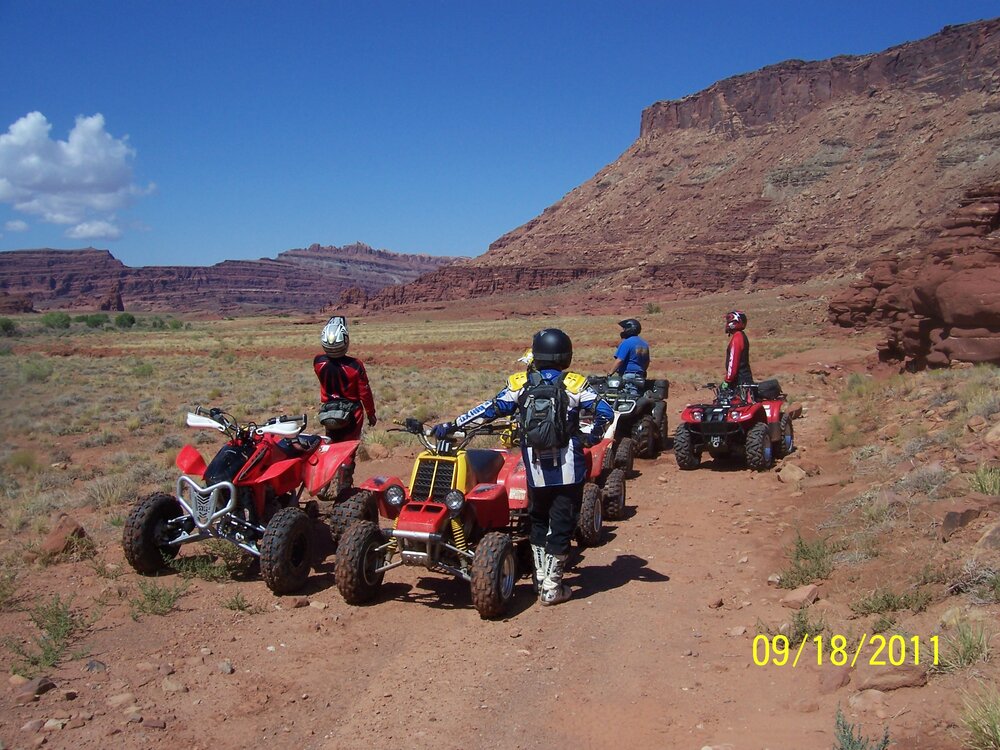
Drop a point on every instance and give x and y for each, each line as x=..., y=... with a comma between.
x=738, y=352
x=342, y=377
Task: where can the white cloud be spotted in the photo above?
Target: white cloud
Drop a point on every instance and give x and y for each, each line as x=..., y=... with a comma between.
x=67, y=182
x=94, y=230
x=16, y=225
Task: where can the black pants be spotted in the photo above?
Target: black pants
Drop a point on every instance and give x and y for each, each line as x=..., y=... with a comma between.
x=554, y=513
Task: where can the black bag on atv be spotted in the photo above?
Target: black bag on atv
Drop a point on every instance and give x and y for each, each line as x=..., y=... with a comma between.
x=337, y=413
x=544, y=406
x=769, y=390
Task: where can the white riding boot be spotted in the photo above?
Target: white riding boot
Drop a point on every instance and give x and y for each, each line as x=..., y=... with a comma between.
x=538, y=558
x=553, y=589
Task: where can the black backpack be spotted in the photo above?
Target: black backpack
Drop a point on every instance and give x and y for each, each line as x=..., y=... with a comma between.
x=544, y=406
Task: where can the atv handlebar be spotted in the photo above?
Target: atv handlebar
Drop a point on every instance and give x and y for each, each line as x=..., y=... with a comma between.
x=230, y=424
x=414, y=426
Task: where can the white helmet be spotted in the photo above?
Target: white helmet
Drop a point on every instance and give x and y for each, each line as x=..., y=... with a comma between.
x=334, y=337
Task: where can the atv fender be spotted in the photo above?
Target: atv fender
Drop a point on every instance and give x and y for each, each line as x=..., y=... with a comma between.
x=425, y=518
x=489, y=503
x=595, y=458
x=377, y=487
x=282, y=476
x=323, y=464
x=190, y=461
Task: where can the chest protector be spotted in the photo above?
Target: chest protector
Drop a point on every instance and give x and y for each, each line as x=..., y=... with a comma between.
x=544, y=409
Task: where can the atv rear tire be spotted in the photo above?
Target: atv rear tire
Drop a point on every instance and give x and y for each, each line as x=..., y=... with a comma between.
x=285, y=551
x=644, y=438
x=614, y=495
x=759, y=451
x=786, y=444
x=358, y=507
x=625, y=454
x=590, y=526
x=684, y=452
x=357, y=559
x=146, y=531
x=494, y=573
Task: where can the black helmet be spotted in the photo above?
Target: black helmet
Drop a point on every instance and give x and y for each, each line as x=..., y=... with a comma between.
x=630, y=327
x=551, y=348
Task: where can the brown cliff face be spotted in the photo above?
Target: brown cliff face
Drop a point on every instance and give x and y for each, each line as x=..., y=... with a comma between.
x=942, y=304
x=795, y=171
x=302, y=280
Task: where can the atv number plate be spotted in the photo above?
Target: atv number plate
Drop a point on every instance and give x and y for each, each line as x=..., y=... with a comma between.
x=716, y=441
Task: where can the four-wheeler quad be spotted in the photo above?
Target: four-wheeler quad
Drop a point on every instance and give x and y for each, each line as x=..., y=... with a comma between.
x=247, y=494
x=747, y=423
x=465, y=512
x=640, y=427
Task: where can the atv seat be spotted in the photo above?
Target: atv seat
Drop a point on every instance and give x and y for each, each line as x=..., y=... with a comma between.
x=484, y=465
x=300, y=444
x=768, y=390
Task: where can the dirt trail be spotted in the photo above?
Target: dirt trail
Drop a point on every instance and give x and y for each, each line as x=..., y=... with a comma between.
x=637, y=658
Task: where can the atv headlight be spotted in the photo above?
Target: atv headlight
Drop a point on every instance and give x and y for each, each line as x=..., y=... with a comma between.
x=697, y=415
x=735, y=416
x=454, y=500
x=394, y=495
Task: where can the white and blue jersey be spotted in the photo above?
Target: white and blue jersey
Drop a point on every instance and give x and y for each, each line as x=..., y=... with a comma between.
x=560, y=466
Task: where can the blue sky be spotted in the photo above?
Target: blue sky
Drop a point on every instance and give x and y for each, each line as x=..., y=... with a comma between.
x=189, y=132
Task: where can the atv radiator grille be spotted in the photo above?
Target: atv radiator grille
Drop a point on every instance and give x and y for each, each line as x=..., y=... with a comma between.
x=433, y=480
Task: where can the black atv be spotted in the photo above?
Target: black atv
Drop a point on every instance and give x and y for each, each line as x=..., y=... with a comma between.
x=640, y=405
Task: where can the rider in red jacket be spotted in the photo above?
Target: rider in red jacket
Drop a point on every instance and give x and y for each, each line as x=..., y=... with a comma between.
x=738, y=352
x=343, y=385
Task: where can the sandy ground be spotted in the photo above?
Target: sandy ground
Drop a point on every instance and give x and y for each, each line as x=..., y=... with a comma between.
x=642, y=656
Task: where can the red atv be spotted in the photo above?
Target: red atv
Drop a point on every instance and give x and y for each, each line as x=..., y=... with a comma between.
x=249, y=495
x=465, y=512
x=745, y=423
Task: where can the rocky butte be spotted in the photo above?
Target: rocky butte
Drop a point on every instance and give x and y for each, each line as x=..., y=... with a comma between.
x=302, y=280
x=796, y=171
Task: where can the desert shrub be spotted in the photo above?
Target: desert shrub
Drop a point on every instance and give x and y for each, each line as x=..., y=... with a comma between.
x=969, y=645
x=22, y=461
x=143, y=370
x=7, y=327
x=979, y=580
x=124, y=320
x=810, y=561
x=93, y=320
x=175, y=325
x=881, y=601
x=57, y=626
x=56, y=320
x=155, y=599
x=36, y=370
x=981, y=718
x=652, y=308
x=986, y=479
x=846, y=739
x=107, y=492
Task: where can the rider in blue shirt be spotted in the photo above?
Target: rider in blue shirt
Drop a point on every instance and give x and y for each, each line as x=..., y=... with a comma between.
x=632, y=355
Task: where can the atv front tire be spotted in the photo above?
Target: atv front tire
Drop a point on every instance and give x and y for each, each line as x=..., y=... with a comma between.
x=625, y=454
x=591, y=522
x=614, y=495
x=644, y=438
x=358, y=558
x=684, y=452
x=285, y=551
x=146, y=532
x=786, y=444
x=759, y=451
x=358, y=507
x=494, y=572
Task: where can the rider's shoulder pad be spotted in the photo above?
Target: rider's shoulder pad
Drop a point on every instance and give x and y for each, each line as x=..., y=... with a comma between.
x=517, y=381
x=574, y=382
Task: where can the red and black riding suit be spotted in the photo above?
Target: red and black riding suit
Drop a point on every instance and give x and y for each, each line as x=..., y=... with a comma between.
x=345, y=378
x=738, y=361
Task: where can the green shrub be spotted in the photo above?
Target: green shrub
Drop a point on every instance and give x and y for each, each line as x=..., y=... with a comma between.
x=57, y=625
x=845, y=739
x=56, y=320
x=8, y=327
x=36, y=370
x=175, y=325
x=124, y=320
x=981, y=718
x=810, y=561
x=986, y=479
x=96, y=320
